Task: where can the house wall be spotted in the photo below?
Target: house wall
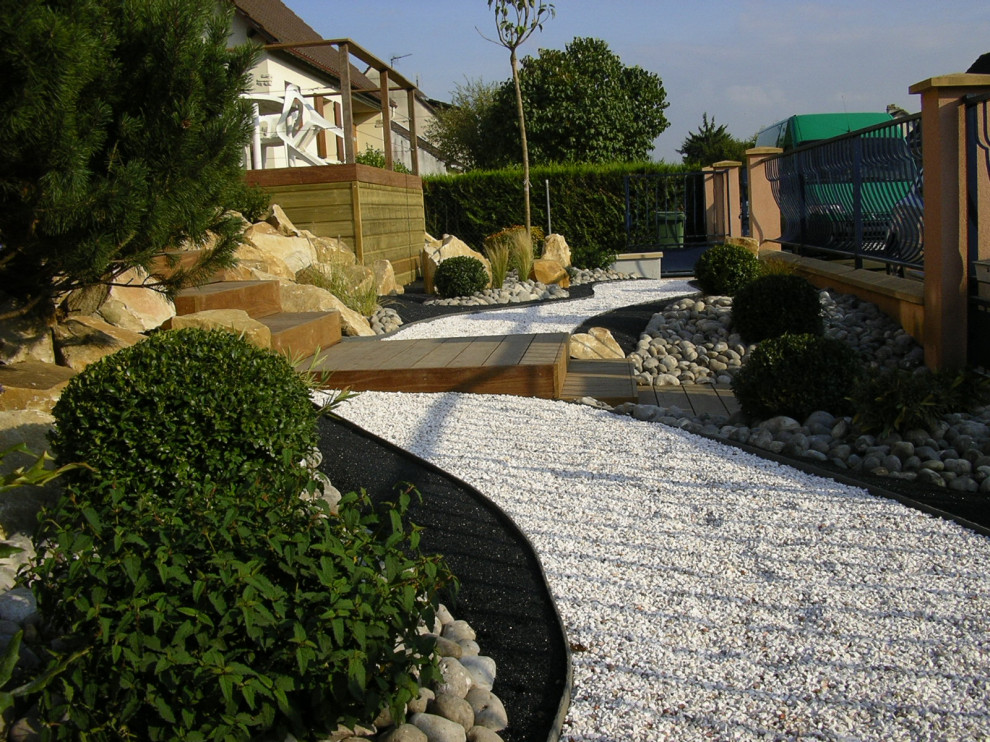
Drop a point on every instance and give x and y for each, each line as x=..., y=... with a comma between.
x=377, y=213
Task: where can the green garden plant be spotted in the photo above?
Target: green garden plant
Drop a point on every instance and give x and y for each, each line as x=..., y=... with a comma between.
x=499, y=254
x=460, y=275
x=362, y=298
x=901, y=400
x=776, y=304
x=796, y=375
x=189, y=591
x=723, y=270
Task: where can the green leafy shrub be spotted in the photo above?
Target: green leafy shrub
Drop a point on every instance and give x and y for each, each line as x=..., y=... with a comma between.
x=905, y=400
x=724, y=269
x=796, y=375
x=188, y=590
x=460, y=275
x=376, y=158
x=185, y=408
x=222, y=614
x=776, y=304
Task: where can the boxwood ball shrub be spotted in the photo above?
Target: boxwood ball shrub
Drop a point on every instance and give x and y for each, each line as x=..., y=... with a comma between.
x=187, y=590
x=796, y=375
x=724, y=269
x=776, y=304
x=460, y=275
x=186, y=407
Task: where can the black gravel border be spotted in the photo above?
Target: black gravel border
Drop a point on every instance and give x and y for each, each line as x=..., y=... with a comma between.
x=503, y=593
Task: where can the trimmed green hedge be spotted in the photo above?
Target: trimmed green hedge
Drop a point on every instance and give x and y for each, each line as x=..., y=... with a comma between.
x=587, y=205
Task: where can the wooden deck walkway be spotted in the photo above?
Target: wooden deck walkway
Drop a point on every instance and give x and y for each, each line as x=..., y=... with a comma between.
x=522, y=365
x=695, y=398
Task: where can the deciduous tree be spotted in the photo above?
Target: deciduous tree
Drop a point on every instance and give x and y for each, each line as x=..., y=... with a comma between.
x=516, y=21
x=460, y=130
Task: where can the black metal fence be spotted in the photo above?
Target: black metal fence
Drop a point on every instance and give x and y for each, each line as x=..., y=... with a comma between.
x=977, y=164
x=859, y=195
x=668, y=212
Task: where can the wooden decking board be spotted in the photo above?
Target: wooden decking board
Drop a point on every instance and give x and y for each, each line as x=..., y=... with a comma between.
x=476, y=354
x=694, y=398
x=511, y=351
x=444, y=353
x=608, y=381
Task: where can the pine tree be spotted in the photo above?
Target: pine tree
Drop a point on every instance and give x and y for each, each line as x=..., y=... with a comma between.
x=121, y=135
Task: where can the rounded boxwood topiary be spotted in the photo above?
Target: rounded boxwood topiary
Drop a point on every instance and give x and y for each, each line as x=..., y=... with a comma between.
x=776, y=304
x=796, y=375
x=724, y=269
x=186, y=407
x=460, y=275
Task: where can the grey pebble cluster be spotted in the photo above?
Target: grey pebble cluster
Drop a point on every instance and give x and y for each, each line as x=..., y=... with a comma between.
x=692, y=342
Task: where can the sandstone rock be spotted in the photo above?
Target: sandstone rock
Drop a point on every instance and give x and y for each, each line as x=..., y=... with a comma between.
x=438, y=729
x=281, y=222
x=297, y=297
x=385, y=278
x=555, y=248
x=86, y=300
x=295, y=252
x=134, y=307
x=360, y=277
x=233, y=320
x=750, y=243
x=80, y=341
x=431, y=241
x=404, y=733
x=19, y=506
x=25, y=338
x=450, y=247
x=454, y=708
x=597, y=343
x=250, y=259
x=488, y=709
x=550, y=272
x=32, y=385
x=330, y=250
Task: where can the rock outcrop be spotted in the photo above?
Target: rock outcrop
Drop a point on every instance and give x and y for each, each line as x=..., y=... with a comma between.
x=555, y=248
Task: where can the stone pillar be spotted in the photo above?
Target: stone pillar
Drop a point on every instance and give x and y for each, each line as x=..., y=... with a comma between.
x=764, y=213
x=728, y=196
x=943, y=128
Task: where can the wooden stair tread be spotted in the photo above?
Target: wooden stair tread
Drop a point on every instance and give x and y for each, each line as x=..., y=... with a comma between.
x=257, y=298
x=612, y=382
x=301, y=334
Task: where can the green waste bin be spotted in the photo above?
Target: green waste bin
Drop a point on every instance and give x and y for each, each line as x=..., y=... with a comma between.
x=670, y=228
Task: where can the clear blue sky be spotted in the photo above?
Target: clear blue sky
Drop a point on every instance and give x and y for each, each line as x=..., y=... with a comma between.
x=748, y=63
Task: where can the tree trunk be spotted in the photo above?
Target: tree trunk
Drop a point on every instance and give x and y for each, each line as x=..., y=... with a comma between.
x=525, y=145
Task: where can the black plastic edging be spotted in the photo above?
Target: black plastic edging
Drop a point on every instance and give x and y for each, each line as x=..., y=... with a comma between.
x=565, y=701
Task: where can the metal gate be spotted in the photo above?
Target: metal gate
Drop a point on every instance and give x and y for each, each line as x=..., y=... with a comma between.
x=668, y=212
x=977, y=165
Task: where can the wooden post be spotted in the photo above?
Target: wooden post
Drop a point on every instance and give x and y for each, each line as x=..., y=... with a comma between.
x=764, y=213
x=386, y=119
x=319, y=103
x=346, y=102
x=413, y=133
x=943, y=131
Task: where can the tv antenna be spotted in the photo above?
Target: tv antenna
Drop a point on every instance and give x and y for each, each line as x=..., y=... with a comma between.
x=393, y=59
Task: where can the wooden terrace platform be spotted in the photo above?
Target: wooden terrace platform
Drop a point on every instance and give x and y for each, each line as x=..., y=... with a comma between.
x=524, y=365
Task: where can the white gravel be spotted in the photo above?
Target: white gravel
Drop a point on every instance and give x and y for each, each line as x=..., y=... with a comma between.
x=711, y=594
x=550, y=316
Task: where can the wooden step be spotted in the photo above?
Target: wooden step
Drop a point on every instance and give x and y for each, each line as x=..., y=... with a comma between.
x=612, y=382
x=257, y=298
x=524, y=365
x=301, y=334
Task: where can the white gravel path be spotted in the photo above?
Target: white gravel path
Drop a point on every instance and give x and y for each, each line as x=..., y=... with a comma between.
x=708, y=593
x=549, y=316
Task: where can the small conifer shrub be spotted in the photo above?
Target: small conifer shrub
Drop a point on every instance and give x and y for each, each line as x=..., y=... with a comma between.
x=461, y=275
x=724, y=269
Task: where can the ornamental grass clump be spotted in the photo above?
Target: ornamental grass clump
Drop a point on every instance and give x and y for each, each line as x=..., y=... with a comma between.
x=498, y=250
x=191, y=592
x=336, y=278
